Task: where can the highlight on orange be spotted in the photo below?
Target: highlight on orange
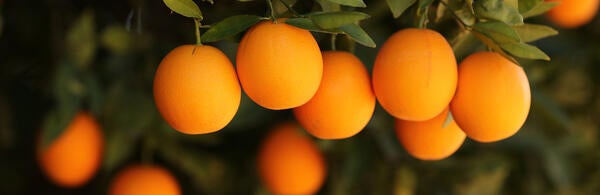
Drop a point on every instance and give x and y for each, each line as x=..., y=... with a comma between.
x=289, y=162
x=144, y=179
x=279, y=65
x=344, y=102
x=493, y=97
x=414, y=75
x=196, y=89
x=572, y=13
x=430, y=140
x=73, y=158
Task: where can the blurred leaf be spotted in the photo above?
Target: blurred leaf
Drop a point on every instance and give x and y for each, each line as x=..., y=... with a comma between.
x=524, y=50
x=487, y=177
x=358, y=35
x=118, y=148
x=81, y=39
x=497, y=31
x=351, y=3
x=185, y=8
x=405, y=181
x=530, y=8
x=497, y=10
x=533, y=32
x=128, y=110
x=557, y=168
x=308, y=24
x=93, y=93
x=116, y=39
x=57, y=121
x=548, y=108
x=399, y=6
x=329, y=20
x=229, y=27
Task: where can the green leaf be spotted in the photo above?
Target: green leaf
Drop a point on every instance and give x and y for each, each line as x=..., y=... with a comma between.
x=497, y=31
x=118, y=148
x=185, y=8
x=494, y=46
x=81, y=39
x=533, y=32
x=399, y=6
x=498, y=10
x=358, y=35
x=351, y=3
x=229, y=27
x=539, y=9
x=329, y=20
x=57, y=121
x=524, y=50
x=308, y=24
x=526, y=5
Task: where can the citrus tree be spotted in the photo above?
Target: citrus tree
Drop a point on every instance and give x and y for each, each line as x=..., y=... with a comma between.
x=299, y=97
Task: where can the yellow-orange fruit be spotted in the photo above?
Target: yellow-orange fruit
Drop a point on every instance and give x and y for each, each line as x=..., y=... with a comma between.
x=279, y=65
x=144, y=179
x=572, y=13
x=290, y=162
x=73, y=158
x=430, y=140
x=492, y=98
x=344, y=102
x=414, y=75
x=196, y=89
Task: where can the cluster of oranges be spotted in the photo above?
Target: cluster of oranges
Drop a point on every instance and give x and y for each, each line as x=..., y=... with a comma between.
x=415, y=78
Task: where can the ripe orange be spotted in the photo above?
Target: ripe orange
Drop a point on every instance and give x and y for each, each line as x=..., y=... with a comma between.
x=279, y=65
x=344, y=102
x=573, y=13
x=196, y=89
x=492, y=99
x=73, y=158
x=430, y=140
x=414, y=75
x=290, y=163
x=144, y=179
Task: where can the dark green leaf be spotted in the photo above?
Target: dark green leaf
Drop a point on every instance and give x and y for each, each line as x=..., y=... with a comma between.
x=330, y=20
x=524, y=50
x=539, y=9
x=351, y=3
x=533, y=32
x=229, y=27
x=186, y=8
x=547, y=107
x=399, y=6
x=118, y=148
x=308, y=24
x=494, y=46
x=57, y=121
x=358, y=35
x=498, y=10
x=497, y=31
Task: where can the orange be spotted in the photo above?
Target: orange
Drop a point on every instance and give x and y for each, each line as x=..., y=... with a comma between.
x=73, y=158
x=196, y=89
x=144, y=179
x=430, y=140
x=492, y=98
x=290, y=162
x=572, y=13
x=414, y=75
x=344, y=102
x=279, y=65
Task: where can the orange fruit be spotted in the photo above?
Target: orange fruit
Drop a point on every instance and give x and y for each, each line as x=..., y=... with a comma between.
x=279, y=65
x=290, y=162
x=492, y=98
x=430, y=140
x=73, y=158
x=144, y=179
x=572, y=13
x=344, y=102
x=196, y=89
x=414, y=75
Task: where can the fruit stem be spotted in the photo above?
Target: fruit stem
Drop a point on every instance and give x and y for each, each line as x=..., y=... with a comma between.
x=197, y=25
x=272, y=11
x=289, y=7
x=422, y=17
x=333, y=37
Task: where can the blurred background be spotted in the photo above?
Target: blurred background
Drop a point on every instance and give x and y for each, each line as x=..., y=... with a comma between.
x=60, y=56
